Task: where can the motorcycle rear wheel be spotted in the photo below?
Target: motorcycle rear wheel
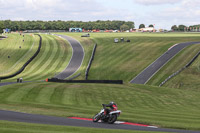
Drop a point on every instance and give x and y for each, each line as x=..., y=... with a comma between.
x=112, y=119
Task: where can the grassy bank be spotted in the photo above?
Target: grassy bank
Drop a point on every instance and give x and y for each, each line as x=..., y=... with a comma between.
x=178, y=62
x=171, y=108
x=19, y=49
x=187, y=79
x=10, y=127
x=53, y=58
x=125, y=60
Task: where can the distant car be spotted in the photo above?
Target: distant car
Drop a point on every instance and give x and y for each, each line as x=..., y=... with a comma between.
x=86, y=35
x=116, y=40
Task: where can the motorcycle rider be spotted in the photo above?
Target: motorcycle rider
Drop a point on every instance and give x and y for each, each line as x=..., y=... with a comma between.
x=113, y=107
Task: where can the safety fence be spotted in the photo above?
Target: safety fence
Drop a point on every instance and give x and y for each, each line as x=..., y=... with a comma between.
x=43, y=31
x=26, y=64
x=180, y=70
x=86, y=81
x=90, y=62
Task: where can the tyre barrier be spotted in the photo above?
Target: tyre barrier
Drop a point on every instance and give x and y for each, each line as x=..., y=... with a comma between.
x=180, y=70
x=26, y=64
x=85, y=81
x=90, y=62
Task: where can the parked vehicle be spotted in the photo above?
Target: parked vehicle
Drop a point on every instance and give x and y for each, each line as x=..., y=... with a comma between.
x=116, y=40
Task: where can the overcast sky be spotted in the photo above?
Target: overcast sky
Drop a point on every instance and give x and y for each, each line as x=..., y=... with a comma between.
x=162, y=13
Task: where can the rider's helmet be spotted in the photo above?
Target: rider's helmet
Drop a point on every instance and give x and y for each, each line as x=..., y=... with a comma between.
x=113, y=103
x=114, y=106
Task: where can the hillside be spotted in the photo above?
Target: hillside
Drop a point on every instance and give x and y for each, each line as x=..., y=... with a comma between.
x=15, y=51
x=53, y=58
x=188, y=79
x=165, y=107
x=123, y=61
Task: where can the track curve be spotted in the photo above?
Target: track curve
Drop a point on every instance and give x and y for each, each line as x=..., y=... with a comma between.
x=76, y=59
x=52, y=120
x=153, y=68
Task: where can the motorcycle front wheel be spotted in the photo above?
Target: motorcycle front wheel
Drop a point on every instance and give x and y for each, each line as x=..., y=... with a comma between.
x=112, y=119
x=96, y=118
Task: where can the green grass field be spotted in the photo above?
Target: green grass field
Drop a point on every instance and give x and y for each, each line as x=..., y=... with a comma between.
x=188, y=79
x=53, y=58
x=18, y=56
x=165, y=107
x=123, y=61
x=177, y=63
x=10, y=127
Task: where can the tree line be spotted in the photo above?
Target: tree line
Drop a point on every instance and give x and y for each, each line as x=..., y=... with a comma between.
x=185, y=28
x=65, y=25
x=143, y=26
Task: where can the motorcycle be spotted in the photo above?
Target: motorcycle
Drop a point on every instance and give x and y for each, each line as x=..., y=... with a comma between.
x=110, y=118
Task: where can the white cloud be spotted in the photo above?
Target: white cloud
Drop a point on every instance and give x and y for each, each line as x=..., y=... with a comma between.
x=166, y=13
x=82, y=10
x=156, y=2
x=187, y=13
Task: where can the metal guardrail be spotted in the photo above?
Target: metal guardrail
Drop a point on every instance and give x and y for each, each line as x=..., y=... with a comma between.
x=180, y=70
x=90, y=62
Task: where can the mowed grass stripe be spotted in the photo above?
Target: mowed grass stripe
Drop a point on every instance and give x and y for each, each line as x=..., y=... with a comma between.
x=56, y=97
x=17, y=53
x=53, y=58
x=50, y=60
x=119, y=60
x=63, y=53
x=20, y=127
x=18, y=95
x=47, y=58
x=189, y=78
x=179, y=60
x=45, y=95
x=37, y=62
x=143, y=104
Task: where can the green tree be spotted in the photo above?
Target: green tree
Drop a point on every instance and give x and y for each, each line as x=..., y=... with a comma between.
x=124, y=27
x=174, y=28
x=1, y=27
x=151, y=25
x=130, y=24
x=181, y=27
x=141, y=26
x=65, y=25
x=7, y=24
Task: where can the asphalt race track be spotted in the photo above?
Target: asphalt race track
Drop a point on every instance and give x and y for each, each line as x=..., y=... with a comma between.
x=42, y=119
x=76, y=59
x=7, y=83
x=152, y=69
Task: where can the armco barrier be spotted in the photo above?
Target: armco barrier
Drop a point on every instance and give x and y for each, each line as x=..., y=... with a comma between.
x=90, y=62
x=180, y=70
x=24, y=66
x=86, y=81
